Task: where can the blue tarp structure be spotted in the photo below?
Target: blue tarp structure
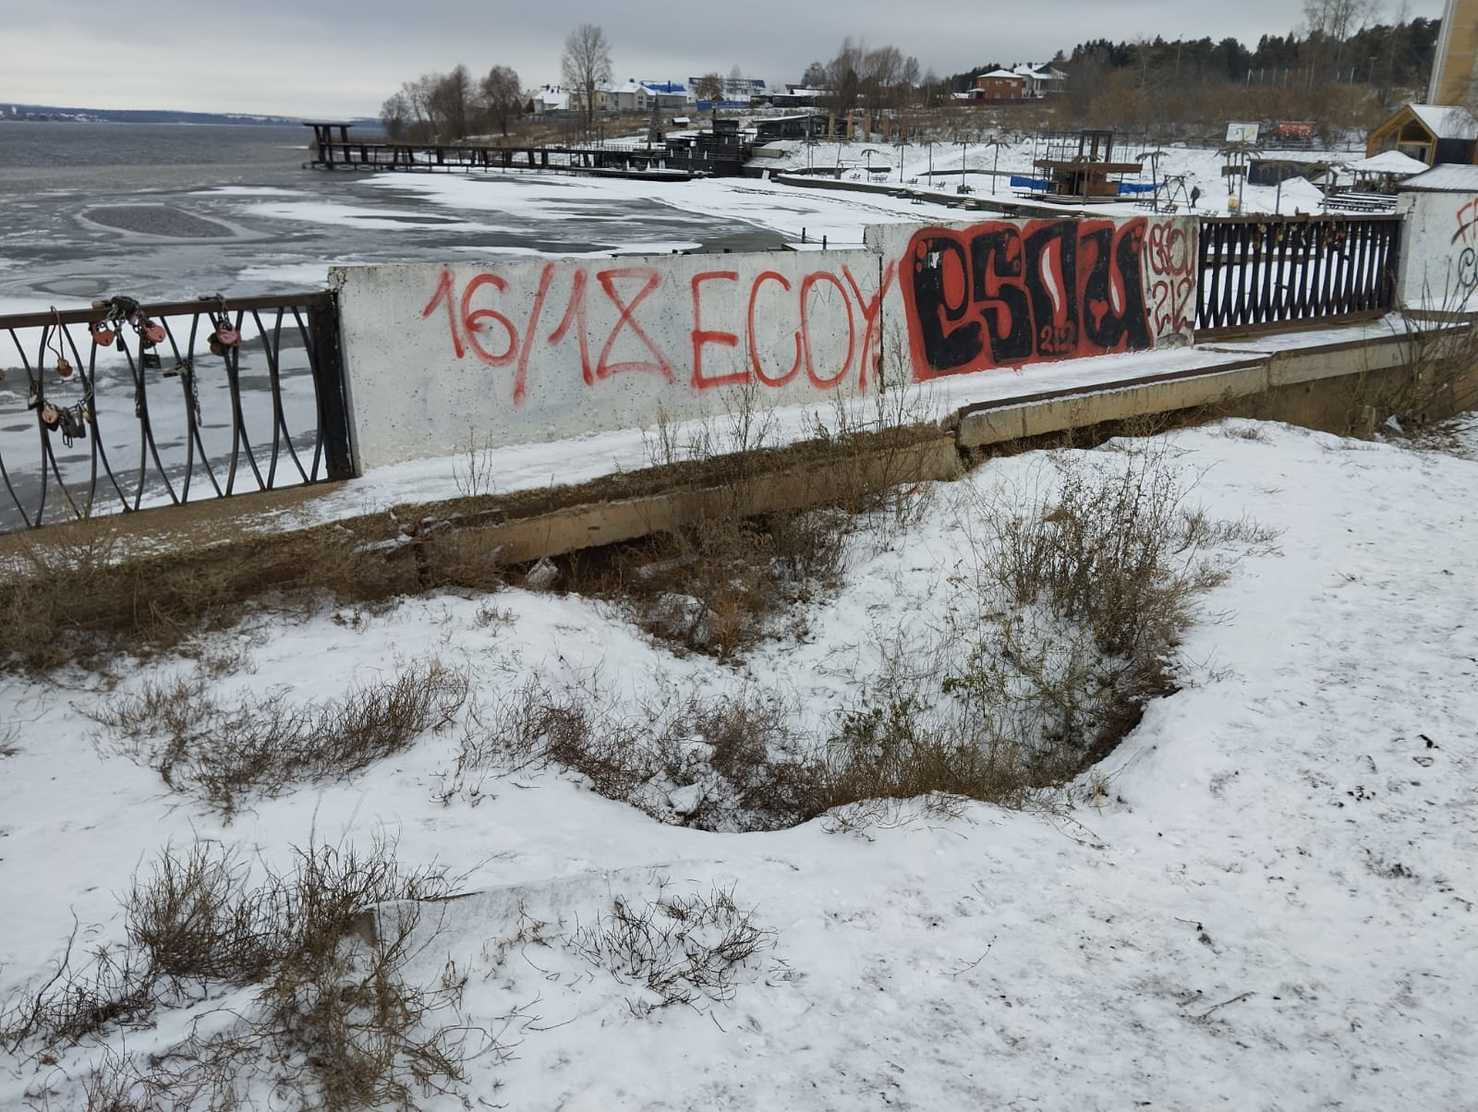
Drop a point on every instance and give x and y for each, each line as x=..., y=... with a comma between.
x=1135, y=187
x=1019, y=182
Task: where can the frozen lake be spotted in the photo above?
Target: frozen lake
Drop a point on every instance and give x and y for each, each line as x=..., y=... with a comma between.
x=176, y=212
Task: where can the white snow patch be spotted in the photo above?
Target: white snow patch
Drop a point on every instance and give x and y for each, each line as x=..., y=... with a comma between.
x=1272, y=906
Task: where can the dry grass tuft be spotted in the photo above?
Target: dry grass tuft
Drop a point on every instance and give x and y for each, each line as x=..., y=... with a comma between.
x=676, y=949
x=263, y=746
x=733, y=763
x=324, y=946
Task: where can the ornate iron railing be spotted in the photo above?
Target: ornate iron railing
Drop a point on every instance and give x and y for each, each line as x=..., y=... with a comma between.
x=1266, y=272
x=135, y=405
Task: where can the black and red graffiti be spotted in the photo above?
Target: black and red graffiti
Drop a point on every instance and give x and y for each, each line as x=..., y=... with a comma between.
x=1003, y=294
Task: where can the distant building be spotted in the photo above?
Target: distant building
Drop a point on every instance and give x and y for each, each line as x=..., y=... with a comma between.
x=548, y=100
x=1040, y=80
x=671, y=95
x=1432, y=133
x=631, y=96
x=737, y=90
x=805, y=125
x=1000, y=84
x=798, y=96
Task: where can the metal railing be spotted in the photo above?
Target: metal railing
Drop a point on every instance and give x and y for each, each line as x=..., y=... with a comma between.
x=1266, y=272
x=134, y=406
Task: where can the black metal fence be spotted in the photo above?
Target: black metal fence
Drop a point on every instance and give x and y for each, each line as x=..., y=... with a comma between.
x=124, y=406
x=1262, y=273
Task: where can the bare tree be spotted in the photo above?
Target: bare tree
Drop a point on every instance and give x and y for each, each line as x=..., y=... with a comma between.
x=844, y=78
x=500, y=95
x=450, y=97
x=1331, y=23
x=815, y=76
x=880, y=70
x=396, y=115
x=710, y=87
x=586, y=65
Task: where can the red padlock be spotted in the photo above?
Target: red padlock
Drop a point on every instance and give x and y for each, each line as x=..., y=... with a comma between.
x=227, y=336
x=102, y=335
x=154, y=333
x=63, y=368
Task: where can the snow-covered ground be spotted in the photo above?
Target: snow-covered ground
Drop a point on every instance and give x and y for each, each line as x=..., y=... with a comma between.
x=1266, y=903
x=937, y=164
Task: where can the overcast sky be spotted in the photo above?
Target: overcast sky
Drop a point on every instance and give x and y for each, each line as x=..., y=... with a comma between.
x=343, y=57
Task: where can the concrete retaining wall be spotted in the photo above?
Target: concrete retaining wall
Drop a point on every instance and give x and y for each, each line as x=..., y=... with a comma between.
x=544, y=349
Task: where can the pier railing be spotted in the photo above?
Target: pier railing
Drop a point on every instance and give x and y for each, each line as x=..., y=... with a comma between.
x=123, y=406
x=1263, y=273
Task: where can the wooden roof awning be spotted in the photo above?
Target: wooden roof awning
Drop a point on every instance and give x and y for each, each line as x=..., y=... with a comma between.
x=1084, y=166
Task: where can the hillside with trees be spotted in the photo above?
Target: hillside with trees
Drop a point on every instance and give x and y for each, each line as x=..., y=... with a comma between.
x=1338, y=69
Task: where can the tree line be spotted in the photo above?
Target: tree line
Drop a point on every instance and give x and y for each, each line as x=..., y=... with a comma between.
x=449, y=106
x=873, y=79
x=1337, y=42
x=444, y=107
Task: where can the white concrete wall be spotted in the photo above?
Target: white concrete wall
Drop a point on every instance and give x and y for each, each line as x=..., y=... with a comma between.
x=1439, y=251
x=536, y=350
x=543, y=350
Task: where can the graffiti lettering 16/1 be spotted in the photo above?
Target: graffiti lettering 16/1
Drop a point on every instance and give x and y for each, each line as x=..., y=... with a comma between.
x=773, y=306
x=999, y=294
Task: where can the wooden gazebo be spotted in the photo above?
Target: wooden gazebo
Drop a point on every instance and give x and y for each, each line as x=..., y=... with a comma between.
x=1086, y=175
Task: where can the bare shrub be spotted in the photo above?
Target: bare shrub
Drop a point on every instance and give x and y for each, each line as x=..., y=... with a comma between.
x=677, y=949
x=197, y=915
x=108, y=987
x=727, y=763
x=324, y=946
x=264, y=745
x=1083, y=598
x=475, y=471
x=897, y=750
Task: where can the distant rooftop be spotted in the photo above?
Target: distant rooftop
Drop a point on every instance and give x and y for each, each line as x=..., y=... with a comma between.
x=1450, y=177
x=1446, y=121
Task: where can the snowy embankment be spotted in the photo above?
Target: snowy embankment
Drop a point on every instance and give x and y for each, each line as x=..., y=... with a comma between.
x=1263, y=899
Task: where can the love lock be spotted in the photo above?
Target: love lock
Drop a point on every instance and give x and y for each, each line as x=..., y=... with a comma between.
x=72, y=425
x=102, y=335
x=153, y=332
x=51, y=416
x=227, y=336
x=63, y=368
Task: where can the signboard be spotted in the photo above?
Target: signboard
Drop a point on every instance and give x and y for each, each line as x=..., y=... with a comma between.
x=1241, y=133
x=1294, y=129
x=1233, y=171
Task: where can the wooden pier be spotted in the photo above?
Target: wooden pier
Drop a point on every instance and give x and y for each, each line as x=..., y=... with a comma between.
x=676, y=160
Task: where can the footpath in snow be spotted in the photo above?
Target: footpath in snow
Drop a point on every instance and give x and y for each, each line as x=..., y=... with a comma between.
x=1264, y=899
